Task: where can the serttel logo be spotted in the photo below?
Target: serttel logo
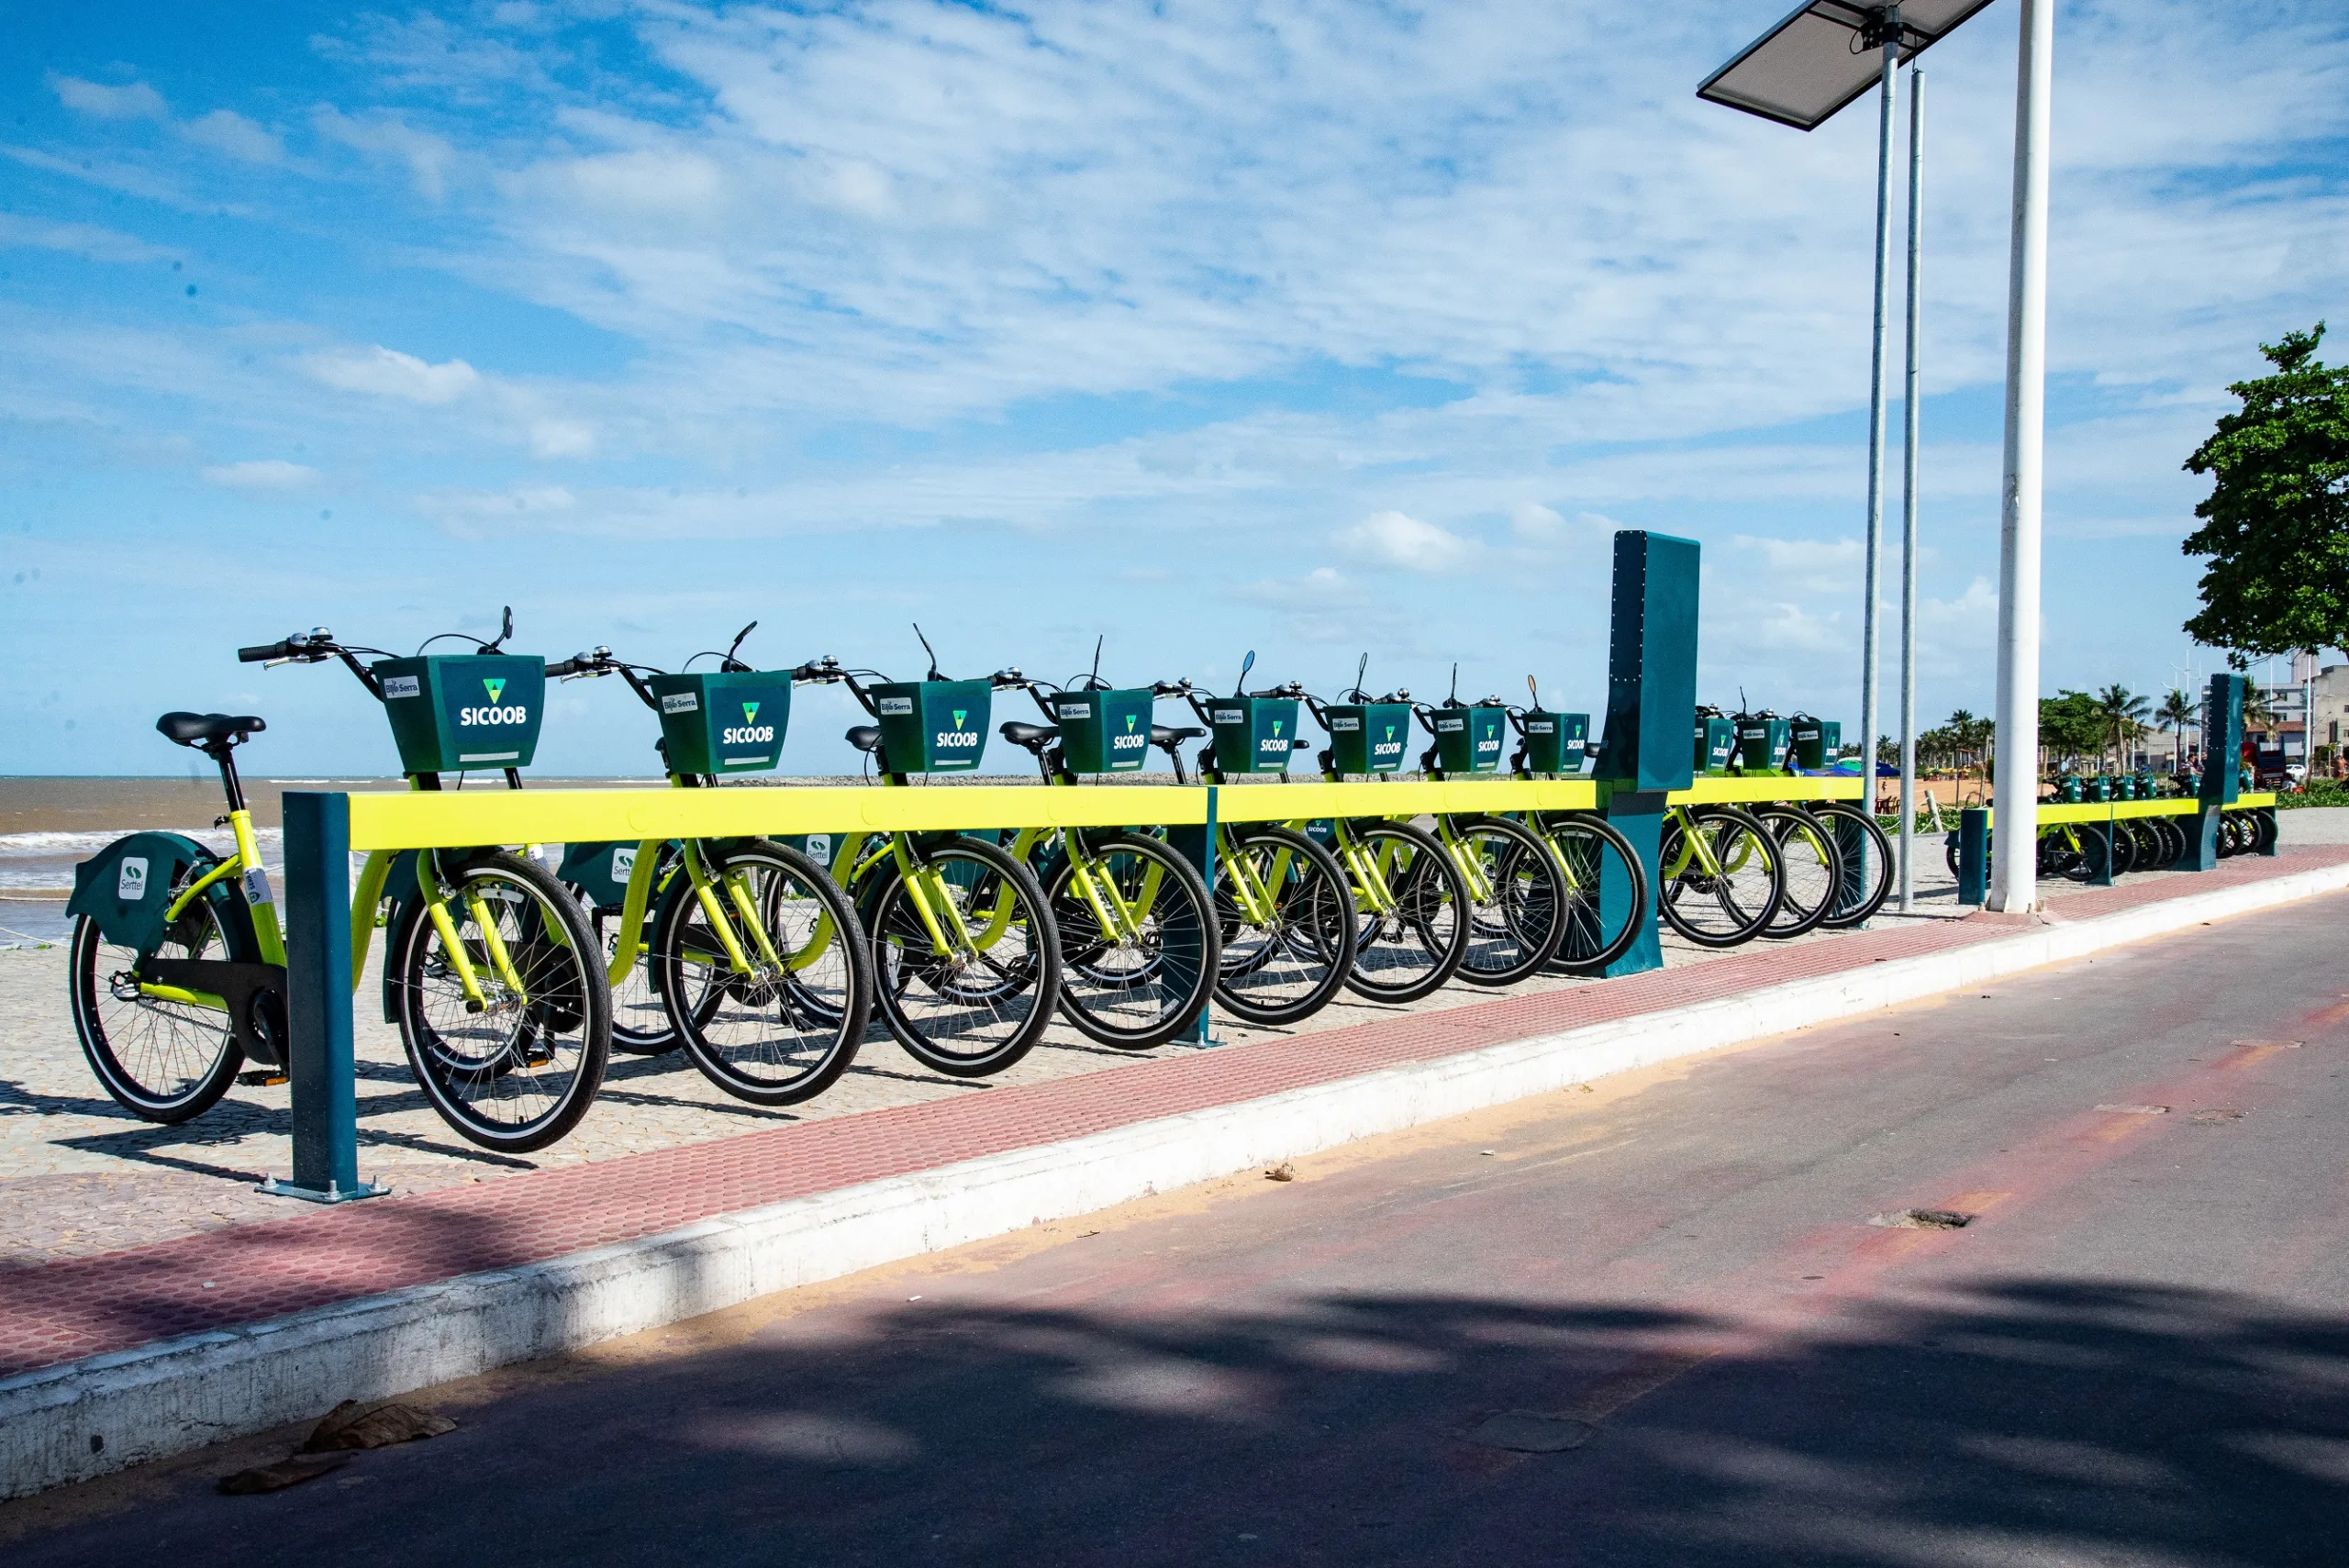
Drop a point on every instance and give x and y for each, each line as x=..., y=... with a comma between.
x=495, y=688
x=623, y=863
x=130, y=879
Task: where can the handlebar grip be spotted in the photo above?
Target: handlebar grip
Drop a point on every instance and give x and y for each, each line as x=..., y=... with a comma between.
x=561, y=668
x=264, y=653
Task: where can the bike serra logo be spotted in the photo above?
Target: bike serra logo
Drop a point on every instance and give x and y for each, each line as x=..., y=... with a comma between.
x=493, y=714
x=958, y=736
x=749, y=731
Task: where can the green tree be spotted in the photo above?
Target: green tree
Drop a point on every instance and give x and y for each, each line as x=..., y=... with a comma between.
x=2072, y=725
x=2276, y=526
x=2124, y=720
x=2177, y=711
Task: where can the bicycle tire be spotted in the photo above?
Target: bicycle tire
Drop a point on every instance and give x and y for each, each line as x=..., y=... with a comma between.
x=2262, y=833
x=1584, y=842
x=1423, y=939
x=925, y=1002
x=1286, y=969
x=1877, y=845
x=513, y=1075
x=168, y=1079
x=1812, y=867
x=1689, y=895
x=641, y=1022
x=1514, y=936
x=1137, y=994
x=772, y=1038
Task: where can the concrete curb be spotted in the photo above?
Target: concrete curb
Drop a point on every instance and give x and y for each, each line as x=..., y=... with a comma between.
x=105, y=1413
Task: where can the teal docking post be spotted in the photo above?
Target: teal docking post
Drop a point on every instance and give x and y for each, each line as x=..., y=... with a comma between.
x=1651, y=705
x=1974, y=855
x=2221, y=765
x=318, y=982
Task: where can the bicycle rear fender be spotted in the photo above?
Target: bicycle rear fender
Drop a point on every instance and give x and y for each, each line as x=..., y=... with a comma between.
x=127, y=887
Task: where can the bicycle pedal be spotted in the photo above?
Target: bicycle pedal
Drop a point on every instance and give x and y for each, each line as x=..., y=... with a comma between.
x=262, y=1078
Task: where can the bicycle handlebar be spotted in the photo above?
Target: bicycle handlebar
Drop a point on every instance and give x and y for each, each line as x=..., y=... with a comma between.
x=264, y=653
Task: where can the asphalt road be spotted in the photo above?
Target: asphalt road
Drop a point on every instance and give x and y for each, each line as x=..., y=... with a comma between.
x=2137, y=1353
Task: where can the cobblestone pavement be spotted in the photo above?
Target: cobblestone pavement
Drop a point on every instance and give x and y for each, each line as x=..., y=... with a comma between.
x=78, y=1175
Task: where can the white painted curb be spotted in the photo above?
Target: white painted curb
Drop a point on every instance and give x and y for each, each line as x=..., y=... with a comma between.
x=105, y=1413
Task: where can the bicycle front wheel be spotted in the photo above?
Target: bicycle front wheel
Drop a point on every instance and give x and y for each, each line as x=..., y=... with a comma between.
x=1866, y=850
x=1413, y=940
x=1138, y=951
x=1814, y=870
x=163, y=1061
x=1514, y=915
x=1593, y=855
x=973, y=997
x=641, y=1025
x=1722, y=877
x=1286, y=920
x=782, y=1023
x=508, y=1027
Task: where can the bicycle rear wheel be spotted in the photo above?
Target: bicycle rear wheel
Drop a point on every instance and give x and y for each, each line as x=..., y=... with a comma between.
x=1722, y=877
x=784, y=1029
x=163, y=1061
x=1512, y=933
x=641, y=1025
x=1138, y=986
x=1813, y=870
x=1286, y=948
x=1405, y=950
x=513, y=1067
x=1867, y=862
x=1591, y=854
x=982, y=1004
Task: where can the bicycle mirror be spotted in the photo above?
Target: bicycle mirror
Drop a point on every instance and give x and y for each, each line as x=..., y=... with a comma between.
x=1533, y=691
x=503, y=632
x=729, y=662
x=926, y=648
x=1093, y=682
x=1239, y=687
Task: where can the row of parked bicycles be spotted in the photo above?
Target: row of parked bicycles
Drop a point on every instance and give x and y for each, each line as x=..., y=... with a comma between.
x=511, y=974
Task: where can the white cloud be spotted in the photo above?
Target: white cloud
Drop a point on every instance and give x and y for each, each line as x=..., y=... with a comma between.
x=262, y=473
x=387, y=373
x=1398, y=538
x=136, y=102
x=80, y=240
x=226, y=131
x=561, y=438
x=428, y=156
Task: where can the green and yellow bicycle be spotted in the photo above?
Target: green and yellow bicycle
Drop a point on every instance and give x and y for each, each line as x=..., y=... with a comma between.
x=177, y=963
x=742, y=949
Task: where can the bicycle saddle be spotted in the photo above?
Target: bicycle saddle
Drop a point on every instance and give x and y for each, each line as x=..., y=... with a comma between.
x=866, y=737
x=1160, y=735
x=193, y=728
x=1032, y=736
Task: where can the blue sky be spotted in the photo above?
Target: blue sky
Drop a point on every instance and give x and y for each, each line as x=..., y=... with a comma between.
x=1311, y=328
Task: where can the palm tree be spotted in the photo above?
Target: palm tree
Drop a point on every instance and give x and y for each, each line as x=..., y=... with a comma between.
x=2177, y=711
x=2124, y=714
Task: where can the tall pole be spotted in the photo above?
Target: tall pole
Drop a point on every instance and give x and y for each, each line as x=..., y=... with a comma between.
x=1889, y=21
x=2014, y=888
x=1908, y=501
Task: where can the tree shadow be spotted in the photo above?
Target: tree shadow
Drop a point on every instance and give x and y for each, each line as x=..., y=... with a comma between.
x=2029, y=1421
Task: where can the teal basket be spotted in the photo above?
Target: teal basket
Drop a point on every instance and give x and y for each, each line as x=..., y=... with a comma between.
x=453, y=712
x=1555, y=742
x=1104, y=731
x=723, y=721
x=1253, y=735
x=1762, y=744
x=1369, y=736
x=933, y=727
x=1815, y=742
x=1469, y=739
x=1716, y=743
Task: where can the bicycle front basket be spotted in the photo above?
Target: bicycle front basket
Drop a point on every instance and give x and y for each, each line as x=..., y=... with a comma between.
x=1716, y=742
x=1104, y=731
x=933, y=727
x=1369, y=736
x=724, y=721
x=1816, y=742
x=452, y=712
x=1253, y=735
x=1468, y=740
x=1762, y=745
x=1555, y=742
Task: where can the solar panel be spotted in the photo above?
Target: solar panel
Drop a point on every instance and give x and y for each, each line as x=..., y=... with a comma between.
x=1818, y=60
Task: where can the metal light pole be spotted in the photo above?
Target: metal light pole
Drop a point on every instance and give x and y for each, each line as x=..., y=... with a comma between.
x=1908, y=501
x=1888, y=79
x=2013, y=874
